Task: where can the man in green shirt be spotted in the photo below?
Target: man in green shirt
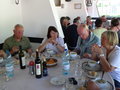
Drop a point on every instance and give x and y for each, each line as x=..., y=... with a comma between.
x=12, y=43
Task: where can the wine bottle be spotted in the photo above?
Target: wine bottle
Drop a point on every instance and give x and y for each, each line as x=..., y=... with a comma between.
x=22, y=58
x=38, y=66
x=45, y=71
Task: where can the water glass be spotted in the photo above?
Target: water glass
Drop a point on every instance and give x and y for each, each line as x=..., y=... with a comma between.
x=2, y=78
x=69, y=85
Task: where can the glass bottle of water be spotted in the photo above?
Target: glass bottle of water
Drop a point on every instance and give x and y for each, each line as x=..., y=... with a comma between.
x=93, y=25
x=65, y=63
x=9, y=67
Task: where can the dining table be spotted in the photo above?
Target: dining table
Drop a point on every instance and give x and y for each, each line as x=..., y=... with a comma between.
x=23, y=80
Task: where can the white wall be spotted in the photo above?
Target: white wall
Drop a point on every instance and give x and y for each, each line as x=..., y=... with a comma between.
x=10, y=14
x=38, y=16
x=69, y=10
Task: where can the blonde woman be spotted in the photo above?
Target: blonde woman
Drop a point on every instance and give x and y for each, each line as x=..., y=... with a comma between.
x=110, y=60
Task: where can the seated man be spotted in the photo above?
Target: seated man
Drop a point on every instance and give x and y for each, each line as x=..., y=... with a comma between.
x=85, y=41
x=72, y=35
x=105, y=22
x=12, y=43
x=99, y=29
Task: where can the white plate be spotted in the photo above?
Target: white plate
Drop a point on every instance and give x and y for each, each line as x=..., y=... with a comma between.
x=51, y=64
x=107, y=86
x=85, y=66
x=90, y=76
x=57, y=80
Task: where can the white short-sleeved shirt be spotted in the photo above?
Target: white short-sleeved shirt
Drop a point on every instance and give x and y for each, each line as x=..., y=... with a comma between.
x=114, y=60
x=52, y=46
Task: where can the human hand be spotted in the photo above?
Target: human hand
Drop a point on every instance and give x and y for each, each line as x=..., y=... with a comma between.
x=87, y=55
x=2, y=53
x=92, y=86
x=54, y=42
x=97, y=49
x=29, y=51
x=49, y=40
x=14, y=49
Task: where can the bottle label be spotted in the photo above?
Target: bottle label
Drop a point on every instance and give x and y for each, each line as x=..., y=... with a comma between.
x=9, y=67
x=23, y=61
x=45, y=72
x=38, y=69
x=66, y=66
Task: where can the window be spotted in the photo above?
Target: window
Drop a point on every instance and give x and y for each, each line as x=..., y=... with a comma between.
x=110, y=8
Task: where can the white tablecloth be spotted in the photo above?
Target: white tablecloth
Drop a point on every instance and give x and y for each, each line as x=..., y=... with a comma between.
x=24, y=81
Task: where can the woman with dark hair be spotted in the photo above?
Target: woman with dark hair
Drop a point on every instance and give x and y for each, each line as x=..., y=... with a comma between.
x=53, y=41
x=115, y=26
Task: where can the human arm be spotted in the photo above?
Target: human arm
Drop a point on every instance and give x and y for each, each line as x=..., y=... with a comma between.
x=59, y=43
x=44, y=44
x=106, y=66
x=92, y=86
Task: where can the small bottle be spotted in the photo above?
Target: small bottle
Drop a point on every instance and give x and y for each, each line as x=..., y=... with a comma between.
x=9, y=66
x=93, y=25
x=22, y=58
x=45, y=71
x=31, y=67
x=38, y=66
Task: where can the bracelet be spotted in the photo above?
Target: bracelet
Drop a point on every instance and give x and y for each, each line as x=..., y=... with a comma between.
x=101, y=55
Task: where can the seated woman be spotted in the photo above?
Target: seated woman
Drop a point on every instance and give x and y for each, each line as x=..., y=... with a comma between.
x=110, y=60
x=53, y=41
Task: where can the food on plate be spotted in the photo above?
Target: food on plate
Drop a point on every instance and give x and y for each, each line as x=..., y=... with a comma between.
x=92, y=73
x=73, y=54
x=92, y=63
x=101, y=81
x=82, y=88
x=51, y=61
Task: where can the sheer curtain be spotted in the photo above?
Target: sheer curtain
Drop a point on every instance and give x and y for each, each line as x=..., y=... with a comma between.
x=92, y=9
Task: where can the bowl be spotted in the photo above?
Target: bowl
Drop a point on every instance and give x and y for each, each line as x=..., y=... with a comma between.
x=57, y=80
x=73, y=54
x=101, y=83
x=92, y=63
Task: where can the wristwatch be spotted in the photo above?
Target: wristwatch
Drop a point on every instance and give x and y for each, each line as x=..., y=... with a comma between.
x=101, y=55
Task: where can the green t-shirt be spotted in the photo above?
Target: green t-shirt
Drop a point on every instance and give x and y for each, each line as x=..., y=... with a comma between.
x=98, y=32
x=11, y=42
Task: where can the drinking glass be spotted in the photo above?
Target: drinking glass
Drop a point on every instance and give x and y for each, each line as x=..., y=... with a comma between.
x=2, y=78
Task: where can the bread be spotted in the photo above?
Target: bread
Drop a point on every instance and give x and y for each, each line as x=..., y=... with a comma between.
x=92, y=73
x=82, y=88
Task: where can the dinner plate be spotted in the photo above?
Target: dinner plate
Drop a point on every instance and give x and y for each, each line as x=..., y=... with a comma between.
x=52, y=64
x=85, y=66
x=93, y=77
x=107, y=86
x=57, y=80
